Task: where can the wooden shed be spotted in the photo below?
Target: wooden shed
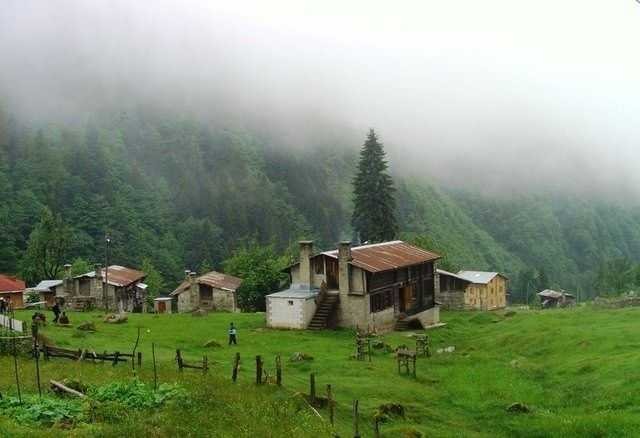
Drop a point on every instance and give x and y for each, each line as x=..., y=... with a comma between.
x=164, y=305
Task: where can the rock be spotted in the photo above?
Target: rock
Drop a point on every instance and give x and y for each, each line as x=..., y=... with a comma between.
x=449, y=349
x=87, y=326
x=518, y=408
x=199, y=312
x=114, y=318
x=212, y=343
x=300, y=357
x=388, y=411
x=509, y=314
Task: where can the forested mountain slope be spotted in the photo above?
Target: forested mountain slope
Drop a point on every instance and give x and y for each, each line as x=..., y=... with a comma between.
x=179, y=193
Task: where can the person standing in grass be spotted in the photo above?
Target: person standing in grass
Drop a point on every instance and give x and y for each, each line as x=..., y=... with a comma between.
x=233, y=335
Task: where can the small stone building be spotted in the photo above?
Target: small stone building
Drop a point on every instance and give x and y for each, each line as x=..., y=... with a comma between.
x=12, y=290
x=370, y=287
x=293, y=309
x=116, y=288
x=210, y=291
x=472, y=290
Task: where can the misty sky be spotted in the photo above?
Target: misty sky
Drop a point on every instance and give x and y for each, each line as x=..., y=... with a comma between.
x=498, y=94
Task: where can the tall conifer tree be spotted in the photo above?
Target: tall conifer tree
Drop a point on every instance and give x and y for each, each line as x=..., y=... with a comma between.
x=374, y=211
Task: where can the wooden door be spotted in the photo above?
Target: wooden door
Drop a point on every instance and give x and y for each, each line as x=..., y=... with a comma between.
x=162, y=307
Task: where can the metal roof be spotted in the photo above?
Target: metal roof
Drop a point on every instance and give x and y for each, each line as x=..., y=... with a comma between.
x=11, y=284
x=213, y=279
x=451, y=274
x=550, y=293
x=478, y=277
x=386, y=256
x=46, y=285
x=119, y=276
x=296, y=293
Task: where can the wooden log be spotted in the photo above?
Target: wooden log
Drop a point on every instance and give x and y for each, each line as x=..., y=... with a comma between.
x=66, y=389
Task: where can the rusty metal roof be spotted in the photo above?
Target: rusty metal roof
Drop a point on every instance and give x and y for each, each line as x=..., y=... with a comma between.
x=387, y=256
x=11, y=284
x=119, y=276
x=213, y=279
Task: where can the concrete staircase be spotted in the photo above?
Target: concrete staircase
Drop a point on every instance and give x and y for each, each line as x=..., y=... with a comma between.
x=402, y=324
x=323, y=312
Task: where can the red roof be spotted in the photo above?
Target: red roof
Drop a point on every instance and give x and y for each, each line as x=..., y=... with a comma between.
x=387, y=256
x=11, y=284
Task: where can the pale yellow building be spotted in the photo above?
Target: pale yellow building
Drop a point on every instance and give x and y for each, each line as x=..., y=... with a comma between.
x=472, y=290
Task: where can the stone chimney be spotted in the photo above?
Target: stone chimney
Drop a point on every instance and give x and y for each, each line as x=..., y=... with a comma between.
x=194, y=290
x=306, y=274
x=98, y=270
x=68, y=281
x=344, y=257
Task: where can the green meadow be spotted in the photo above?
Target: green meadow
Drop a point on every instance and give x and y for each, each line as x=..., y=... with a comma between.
x=575, y=370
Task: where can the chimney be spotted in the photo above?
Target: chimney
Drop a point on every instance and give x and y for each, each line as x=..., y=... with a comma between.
x=306, y=275
x=98, y=270
x=68, y=281
x=194, y=289
x=344, y=257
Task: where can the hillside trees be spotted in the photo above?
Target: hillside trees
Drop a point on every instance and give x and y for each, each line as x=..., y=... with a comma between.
x=374, y=210
x=47, y=249
x=260, y=269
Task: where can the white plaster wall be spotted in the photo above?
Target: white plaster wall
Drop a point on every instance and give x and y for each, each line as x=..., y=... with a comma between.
x=281, y=314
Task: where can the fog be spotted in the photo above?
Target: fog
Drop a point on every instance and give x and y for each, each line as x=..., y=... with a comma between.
x=499, y=95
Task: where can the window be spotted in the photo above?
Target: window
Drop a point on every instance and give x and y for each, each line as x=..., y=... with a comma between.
x=318, y=263
x=291, y=302
x=381, y=301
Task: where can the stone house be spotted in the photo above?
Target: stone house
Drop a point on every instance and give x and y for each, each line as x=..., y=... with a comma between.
x=210, y=291
x=472, y=290
x=369, y=287
x=116, y=288
x=12, y=290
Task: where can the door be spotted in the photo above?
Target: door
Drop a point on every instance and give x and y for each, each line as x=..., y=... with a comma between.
x=332, y=273
x=162, y=307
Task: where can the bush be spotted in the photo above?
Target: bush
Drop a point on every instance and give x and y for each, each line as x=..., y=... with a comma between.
x=45, y=411
x=136, y=394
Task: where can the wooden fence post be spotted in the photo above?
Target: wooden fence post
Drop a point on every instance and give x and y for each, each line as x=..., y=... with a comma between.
x=236, y=364
x=259, y=370
x=278, y=370
x=312, y=389
x=139, y=359
x=356, y=432
x=330, y=403
x=205, y=364
x=155, y=371
x=179, y=360
x=115, y=358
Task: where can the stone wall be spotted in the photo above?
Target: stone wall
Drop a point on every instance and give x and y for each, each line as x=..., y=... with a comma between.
x=451, y=300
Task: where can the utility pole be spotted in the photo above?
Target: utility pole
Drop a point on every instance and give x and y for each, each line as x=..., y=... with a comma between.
x=105, y=285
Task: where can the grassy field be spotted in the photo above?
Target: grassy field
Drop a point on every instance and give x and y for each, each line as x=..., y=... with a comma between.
x=576, y=370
